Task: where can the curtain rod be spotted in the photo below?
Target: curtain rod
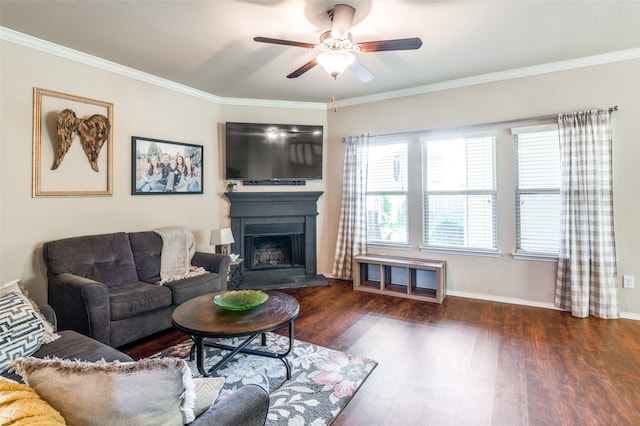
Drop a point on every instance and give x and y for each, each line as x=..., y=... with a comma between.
x=495, y=123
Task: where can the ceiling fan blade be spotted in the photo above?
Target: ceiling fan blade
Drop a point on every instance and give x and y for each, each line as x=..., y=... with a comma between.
x=385, y=45
x=284, y=42
x=342, y=19
x=360, y=71
x=306, y=67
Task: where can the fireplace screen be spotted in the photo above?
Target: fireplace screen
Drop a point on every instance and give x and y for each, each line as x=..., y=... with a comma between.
x=272, y=251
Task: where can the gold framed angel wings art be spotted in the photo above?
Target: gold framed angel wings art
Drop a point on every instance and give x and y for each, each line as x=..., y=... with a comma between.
x=93, y=132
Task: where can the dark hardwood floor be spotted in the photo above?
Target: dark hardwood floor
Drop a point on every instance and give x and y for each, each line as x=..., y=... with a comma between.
x=469, y=362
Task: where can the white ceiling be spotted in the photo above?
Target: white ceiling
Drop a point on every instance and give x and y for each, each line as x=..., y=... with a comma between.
x=208, y=45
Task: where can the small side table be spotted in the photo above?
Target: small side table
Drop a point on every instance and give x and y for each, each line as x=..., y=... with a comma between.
x=235, y=276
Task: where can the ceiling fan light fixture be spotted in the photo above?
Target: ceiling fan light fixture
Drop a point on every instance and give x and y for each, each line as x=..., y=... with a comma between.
x=335, y=61
x=337, y=46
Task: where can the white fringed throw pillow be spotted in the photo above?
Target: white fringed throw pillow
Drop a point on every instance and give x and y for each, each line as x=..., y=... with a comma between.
x=152, y=392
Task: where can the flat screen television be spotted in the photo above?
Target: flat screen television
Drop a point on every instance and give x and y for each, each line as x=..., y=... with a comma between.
x=263, y=152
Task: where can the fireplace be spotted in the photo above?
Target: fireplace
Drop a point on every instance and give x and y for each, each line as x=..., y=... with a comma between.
x=270, y=252
x=275, y=233
x=272, y=246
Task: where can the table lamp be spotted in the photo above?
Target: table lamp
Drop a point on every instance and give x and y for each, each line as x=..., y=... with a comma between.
x=222, y=239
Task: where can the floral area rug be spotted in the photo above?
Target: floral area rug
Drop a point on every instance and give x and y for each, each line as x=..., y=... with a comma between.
x=322, y=380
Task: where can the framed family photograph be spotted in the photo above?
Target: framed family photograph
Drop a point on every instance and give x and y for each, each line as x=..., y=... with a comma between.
x=163, y=167
x=72, y=145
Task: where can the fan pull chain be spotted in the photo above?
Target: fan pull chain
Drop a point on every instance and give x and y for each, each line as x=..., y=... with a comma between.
x=333, y=95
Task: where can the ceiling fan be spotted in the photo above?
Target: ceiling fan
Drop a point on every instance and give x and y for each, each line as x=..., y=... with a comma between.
x=337, y=47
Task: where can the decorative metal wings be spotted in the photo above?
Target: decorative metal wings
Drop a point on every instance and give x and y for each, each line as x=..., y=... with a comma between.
x=93, y=131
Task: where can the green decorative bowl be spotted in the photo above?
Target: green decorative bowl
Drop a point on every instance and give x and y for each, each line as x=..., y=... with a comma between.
x=240, y=300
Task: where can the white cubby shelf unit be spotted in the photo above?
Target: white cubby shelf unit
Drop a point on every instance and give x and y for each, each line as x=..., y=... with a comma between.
x=418, y=279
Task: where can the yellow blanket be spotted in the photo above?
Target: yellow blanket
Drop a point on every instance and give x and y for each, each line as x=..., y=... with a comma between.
x=21, y=405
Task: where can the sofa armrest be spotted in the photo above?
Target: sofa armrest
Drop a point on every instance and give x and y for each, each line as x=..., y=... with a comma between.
x=50, y=315
x=248, y=406
x=81, y=304
x=212, y=262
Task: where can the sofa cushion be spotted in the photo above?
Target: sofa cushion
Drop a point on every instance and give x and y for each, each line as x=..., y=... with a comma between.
x=137, y=298
x=146, y=247
x=73, y=345
x=148, y=392
x=21, y=331
x=189, y=288
x=21, y=405
x=105, y=258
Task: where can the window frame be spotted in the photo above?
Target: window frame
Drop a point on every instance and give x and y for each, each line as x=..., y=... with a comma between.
x=504, y=213
x=491, y=193
x=387, y=141
x=520, y=253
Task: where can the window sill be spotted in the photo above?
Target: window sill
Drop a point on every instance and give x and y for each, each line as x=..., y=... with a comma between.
x=463, y=252
x=535, y=257
x=398, y=246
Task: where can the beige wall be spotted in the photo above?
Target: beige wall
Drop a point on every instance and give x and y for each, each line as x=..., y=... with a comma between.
x=143, y=109
x=506, y=278
x=140, y=109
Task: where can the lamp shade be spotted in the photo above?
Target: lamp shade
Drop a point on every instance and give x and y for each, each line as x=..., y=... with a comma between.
x=221, y=237
x=335, y=61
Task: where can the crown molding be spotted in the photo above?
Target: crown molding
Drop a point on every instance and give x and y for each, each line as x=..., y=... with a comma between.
x=77, y=56
x=607, y=58
x=272, y=103
x=93, y=61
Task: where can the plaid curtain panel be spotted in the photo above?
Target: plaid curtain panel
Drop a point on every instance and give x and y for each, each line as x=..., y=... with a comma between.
x=586, y=279
x=352, y=232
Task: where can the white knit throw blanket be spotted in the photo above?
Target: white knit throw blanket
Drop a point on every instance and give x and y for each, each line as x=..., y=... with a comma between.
x=178, y=247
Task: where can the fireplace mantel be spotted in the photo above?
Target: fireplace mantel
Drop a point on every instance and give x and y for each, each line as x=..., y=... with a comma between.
x=279, y=213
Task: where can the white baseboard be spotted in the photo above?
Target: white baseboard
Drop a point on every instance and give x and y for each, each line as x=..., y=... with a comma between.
x=515, y=301
x=512, y=300
x=630, y=315
x=525, y=302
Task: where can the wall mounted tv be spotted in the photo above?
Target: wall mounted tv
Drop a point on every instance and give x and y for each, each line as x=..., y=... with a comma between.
x=261, y=153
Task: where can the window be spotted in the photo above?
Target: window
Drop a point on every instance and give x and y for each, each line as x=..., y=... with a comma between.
x=537, y=156
x=456, y=175
x=459, y=201
x=387, y=193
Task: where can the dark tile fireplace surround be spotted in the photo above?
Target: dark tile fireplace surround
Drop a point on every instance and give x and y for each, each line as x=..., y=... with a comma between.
x=275, y=234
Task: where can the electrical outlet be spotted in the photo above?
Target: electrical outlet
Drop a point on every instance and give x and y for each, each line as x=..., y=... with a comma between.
x=627, y=281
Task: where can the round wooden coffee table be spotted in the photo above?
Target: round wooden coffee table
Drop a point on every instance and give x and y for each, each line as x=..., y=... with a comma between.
x=202, y=319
